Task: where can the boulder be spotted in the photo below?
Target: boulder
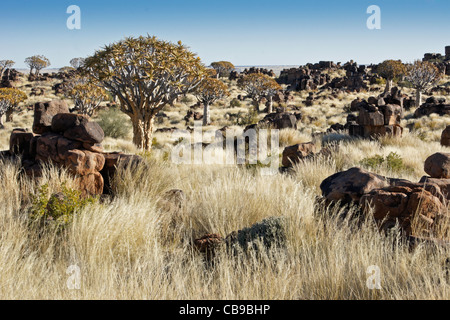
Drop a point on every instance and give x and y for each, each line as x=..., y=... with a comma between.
x=294, y=154
x=44, y=113
x=438, y=165
x=280, y=120
x=351, y=185
x=445, y=137
x=77, y=127
x=91, y=184
x=392, y=205
x=19, y=142
x=83, y=162
x=112, y=161
x=47, y=148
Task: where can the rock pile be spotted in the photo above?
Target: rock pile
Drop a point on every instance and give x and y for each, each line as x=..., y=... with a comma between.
x=67, y=141
x=9, y=76
x=396, y=201
x=303, y=78
x=377, y=117
x=433, y=105
x=278, y=121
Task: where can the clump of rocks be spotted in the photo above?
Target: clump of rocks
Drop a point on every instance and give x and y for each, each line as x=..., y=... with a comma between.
x=433, y=105
x=377, y=116
x=69, y=141
x=396, y=201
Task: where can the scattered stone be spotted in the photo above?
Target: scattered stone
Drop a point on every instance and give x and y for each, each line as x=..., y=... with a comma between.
x=298, y=152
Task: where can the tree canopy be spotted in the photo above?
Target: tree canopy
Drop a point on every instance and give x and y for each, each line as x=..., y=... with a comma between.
x=145, y=74
x=86, y=94
x=5, y=64
x=258, y=86
x=209, y=91
x=37, y=63
x=223, y=68
x=422, y=75
x=10, y=98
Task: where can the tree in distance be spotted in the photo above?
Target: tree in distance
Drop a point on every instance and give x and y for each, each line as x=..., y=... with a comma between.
x=37, y=63
x=422, y=76
x=10, y=98
x=209, y=91
x=389, y=70
x=223, y=68
x=5, y=64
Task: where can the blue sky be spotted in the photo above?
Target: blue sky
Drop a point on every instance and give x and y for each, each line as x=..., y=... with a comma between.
x=245, y=32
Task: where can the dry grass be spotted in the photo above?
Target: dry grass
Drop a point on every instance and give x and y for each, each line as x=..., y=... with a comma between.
x=133, y=247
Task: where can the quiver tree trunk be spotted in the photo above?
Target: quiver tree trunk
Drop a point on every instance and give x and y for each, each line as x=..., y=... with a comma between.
x=143, y=131
x=388, y=85
x=9, y=115
x=206, y=114
x=418, y=98
x=270, y=108
x=256, y=104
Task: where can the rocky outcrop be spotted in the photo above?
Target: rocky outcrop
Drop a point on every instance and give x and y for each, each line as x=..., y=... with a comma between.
x=433, y=105
x=402, y=205
x=68, y=141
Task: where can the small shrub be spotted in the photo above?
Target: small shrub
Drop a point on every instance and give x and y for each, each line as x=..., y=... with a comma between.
x=59, y=208
x=245, y=119
x=114, y=123
x=393, y=162
x=235, y=103
x=373, y=162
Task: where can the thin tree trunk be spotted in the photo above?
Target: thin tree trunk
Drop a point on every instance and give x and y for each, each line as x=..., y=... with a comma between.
x=270, y=109
x=388, y=86
x=206, y=114
x=418, y=98
x=1, y=121
x=9, y=115
x=256, y=105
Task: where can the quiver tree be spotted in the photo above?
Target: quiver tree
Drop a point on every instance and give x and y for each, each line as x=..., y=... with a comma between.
x=270, y=87
x=145, y=74
x=209, y=91
x=77, y=62
x=389, y=70
x=422, y=75
x=86, y=94
x=257, y=86
x=223, y=68
x=10, y=98
x=37, y=63
x=5, y=64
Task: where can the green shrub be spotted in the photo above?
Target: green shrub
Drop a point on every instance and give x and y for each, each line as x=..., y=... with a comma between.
x=373, y=162
x=114, y=123
x=59, y=208
x=235, y=103
x=393, y=162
